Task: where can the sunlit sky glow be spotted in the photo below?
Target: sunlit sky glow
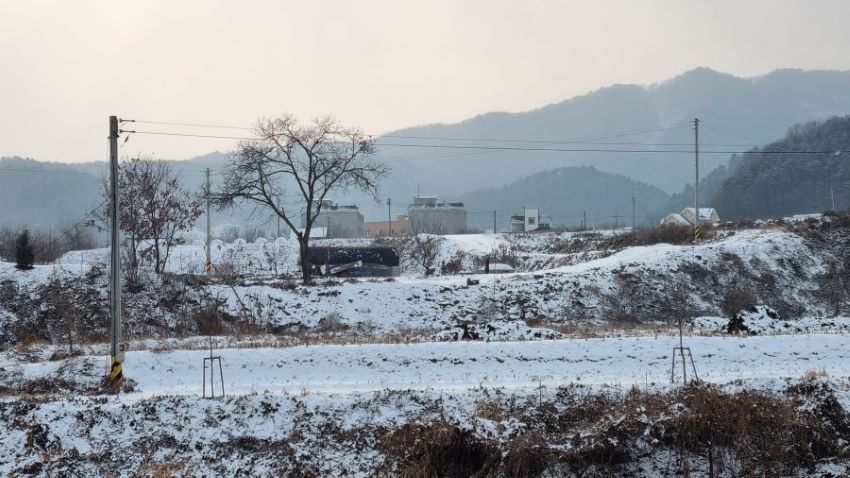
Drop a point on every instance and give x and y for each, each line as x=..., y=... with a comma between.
x=379, y=65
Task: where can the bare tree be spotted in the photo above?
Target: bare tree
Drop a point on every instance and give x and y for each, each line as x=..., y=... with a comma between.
x=312, y=159
x=424, y=249
x=155, y=209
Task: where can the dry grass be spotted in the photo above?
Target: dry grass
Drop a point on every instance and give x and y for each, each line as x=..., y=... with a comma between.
x=436, y=449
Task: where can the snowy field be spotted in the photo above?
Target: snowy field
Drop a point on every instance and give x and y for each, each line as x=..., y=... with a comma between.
x=334, y=410
x=459, y=366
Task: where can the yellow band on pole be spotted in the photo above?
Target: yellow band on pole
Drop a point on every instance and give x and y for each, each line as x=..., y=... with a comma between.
x=116, y=373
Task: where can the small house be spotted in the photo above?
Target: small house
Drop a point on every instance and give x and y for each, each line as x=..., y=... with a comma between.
x=529, y=220
x=707, y=215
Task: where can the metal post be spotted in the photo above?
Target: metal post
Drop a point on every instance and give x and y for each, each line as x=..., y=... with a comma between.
x=209, y=225
x=116, y=350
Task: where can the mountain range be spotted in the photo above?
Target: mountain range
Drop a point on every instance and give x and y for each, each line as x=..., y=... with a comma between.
x=447, y=160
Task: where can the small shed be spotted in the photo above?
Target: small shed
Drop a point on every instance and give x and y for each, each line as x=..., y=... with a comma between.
x=354, y=261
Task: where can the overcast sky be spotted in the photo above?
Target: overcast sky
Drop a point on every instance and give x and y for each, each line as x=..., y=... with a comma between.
x=380, y=65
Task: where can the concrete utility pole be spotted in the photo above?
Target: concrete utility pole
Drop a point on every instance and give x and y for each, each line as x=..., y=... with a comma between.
x=208, y=265
x=494, y=221
x=116, y=349
x=389, y=217
x=832, y=194
x=696, y=180
x=633, y=213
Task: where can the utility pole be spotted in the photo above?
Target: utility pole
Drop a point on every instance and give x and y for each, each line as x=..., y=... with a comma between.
x=494, y=221
x=696, y=181
x=389, y=217
x=616, y=220
x=208, y=265
x=584, y=220
x=633, y=213
x=116, y=349
x=832, y=194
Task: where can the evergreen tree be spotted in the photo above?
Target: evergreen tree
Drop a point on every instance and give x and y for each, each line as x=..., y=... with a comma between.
x=24, y=253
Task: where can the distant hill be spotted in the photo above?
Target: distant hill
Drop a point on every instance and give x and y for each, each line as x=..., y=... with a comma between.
x=566, y=194
x=760, y=109
x=45, y=195
x=760, y=184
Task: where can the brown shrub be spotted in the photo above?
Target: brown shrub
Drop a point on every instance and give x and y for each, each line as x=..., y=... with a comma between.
x=425, y=450
x=527, y=455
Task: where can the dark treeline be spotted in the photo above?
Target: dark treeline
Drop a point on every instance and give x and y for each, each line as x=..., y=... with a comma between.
x=763, y=184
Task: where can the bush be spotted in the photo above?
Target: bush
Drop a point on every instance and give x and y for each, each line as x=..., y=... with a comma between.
x=24, y=253
x=736, y=299
x=435, y=449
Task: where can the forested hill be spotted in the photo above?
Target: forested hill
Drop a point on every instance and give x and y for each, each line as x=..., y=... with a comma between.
x=566, y=194
x=772, y=181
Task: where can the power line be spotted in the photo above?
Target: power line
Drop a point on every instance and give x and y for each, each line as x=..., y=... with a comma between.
x=50, y=171
x=188, y=135
x=585, y=140
x=193, y=125
x=616, y=134
x=601, y=150
x=730, y=133
x=521, y=148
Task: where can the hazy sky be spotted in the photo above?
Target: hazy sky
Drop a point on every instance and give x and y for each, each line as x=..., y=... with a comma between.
x=380, y=65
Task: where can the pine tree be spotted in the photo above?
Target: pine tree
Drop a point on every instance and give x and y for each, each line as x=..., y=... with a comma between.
x=24, y=253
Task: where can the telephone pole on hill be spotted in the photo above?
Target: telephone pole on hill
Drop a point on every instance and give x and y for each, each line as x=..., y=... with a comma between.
x=633, y=213
x=494, y=221
x=696, y=181
x=208, y=265
x=832, y=195
x=116, y=348
x=389, y=217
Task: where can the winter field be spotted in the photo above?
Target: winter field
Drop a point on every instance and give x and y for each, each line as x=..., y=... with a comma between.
x=562, y=368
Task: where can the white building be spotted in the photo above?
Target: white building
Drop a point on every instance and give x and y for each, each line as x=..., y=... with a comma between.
x=529, y=220
x=707, y=215
x=337, y=221
x=430, y=216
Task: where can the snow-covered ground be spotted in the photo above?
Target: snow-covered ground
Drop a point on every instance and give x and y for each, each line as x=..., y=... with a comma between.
x=331, y=408
x=459, y=366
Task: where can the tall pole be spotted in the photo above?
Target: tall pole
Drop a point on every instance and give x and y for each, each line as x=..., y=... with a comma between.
x=116, y=349
x=494, y=221
x=633, y=213
x=209, y=224
x=696, y=179
x=832, y=194
x=584, y=220
x=389, y=217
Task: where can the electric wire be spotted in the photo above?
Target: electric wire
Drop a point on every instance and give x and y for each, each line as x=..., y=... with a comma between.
x=528, y=149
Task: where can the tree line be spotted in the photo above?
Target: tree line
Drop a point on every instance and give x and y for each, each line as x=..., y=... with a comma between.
x=309, y=160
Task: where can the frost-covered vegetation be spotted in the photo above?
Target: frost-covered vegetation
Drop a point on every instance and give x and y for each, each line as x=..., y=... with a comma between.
x=562, y=368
